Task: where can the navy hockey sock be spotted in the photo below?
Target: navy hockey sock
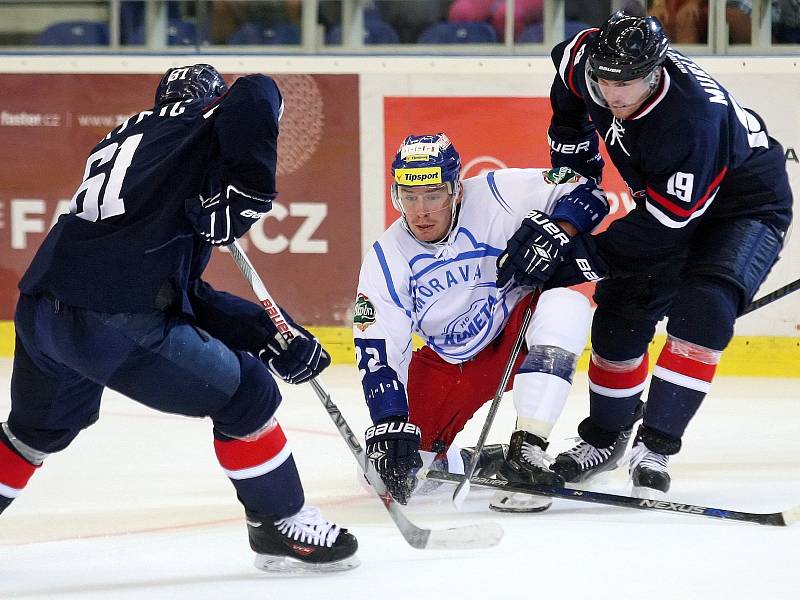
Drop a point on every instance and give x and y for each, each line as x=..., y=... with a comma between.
x=263, y=471
x=15, y=472
x=681, y=379
x=615, y=390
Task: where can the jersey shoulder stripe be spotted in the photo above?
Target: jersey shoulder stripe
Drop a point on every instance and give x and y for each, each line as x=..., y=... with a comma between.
x=571, y=56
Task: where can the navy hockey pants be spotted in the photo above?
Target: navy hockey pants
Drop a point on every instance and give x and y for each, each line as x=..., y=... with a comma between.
x=65, y=356
x=701, y=298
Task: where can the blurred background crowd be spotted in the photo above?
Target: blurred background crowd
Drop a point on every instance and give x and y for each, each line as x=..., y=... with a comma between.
x=158, y=24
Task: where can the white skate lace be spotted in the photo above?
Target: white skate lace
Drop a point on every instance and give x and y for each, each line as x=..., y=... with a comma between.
x=310, y=527
x=534, y=455
x=588, y=456
x=616, y=131
x=642, y=455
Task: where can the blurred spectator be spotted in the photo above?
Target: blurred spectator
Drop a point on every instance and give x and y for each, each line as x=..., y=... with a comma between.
x=411, y=17
x=229, y=15
x=494, y=11
x=686, y=21
x=786, y=21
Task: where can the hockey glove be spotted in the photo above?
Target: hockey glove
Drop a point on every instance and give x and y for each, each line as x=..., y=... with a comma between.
x=393, y=448
x=533, y=251
x=303, y=359
x=580, y=263
x=577, y=149
x=222, y=217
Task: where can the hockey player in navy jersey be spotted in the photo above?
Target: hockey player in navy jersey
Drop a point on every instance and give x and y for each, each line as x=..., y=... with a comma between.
x=713, y=205
x=114, y=298
x=433, y=273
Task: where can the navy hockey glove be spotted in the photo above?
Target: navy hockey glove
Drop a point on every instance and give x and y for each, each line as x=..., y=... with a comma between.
x=303, y=359
x=533, y=251
x=393, y=448
x=580, y=263
x=576, y=149
x=223, y=217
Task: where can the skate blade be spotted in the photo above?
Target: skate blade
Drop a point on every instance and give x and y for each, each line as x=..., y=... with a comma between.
x=647, y=493
x=287, y=565
x=519, y=503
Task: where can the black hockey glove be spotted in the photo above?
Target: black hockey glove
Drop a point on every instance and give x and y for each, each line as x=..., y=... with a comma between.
x=393, y=448
x=227, y=215
x=577, y=149
x=533, y=251
x=580, y=263
x=302, y=360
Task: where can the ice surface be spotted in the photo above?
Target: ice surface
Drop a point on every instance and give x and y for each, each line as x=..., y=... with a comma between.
x=137, y=507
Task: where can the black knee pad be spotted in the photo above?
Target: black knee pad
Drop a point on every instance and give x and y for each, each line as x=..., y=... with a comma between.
x=254, y=402
x=704, y=312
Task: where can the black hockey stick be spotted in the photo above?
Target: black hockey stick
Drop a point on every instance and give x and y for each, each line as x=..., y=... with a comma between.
x=786, y=517
x=772, y=296
x=482, y=535
x=462, y=489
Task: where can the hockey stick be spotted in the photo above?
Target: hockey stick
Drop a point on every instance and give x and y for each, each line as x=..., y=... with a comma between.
x=772, y=296
x=462, y=489
x=482, y=535
x=786, y=517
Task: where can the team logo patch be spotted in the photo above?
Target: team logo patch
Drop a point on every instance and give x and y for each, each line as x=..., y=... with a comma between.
x=560, y=175
x=364, y=312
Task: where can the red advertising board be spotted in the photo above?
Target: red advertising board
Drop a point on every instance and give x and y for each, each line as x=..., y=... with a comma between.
x=489, y=133
x=307, y=249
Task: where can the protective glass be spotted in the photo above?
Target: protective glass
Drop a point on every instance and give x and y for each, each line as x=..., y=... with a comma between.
x=621, y=94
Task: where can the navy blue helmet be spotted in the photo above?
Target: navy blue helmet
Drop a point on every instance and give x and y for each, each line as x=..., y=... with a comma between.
x=192, y=81
x=627, y=48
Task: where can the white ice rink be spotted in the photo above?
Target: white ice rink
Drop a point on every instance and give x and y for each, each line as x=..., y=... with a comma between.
x=137, y=507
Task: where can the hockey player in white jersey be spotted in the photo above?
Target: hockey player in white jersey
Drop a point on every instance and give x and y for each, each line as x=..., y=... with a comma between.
x=433, y=272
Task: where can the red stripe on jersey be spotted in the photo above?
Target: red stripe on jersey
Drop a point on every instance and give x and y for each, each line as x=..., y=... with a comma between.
x=683, y=365
x=618, y=380
x=15, y=471
x=671, y=207
x=239, y=454
x=654, y=97
x=573, y=53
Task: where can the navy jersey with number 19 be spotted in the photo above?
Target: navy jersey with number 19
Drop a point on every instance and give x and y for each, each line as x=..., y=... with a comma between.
x=689, y=153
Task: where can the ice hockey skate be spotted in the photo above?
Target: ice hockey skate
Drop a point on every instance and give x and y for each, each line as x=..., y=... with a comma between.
x=584, y=461
x=526, y=464
x=648, y=472
x=303, y=543
x=489, y=460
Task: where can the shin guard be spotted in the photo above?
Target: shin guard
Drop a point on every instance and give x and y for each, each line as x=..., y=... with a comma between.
x=681, y=379
x=262, y=470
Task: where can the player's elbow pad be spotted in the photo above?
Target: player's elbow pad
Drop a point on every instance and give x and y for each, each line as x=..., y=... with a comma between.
x=577, y=149
x=584, y=207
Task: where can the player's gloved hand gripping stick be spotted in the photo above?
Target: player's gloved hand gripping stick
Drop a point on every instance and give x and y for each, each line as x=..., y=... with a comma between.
x=482, y=535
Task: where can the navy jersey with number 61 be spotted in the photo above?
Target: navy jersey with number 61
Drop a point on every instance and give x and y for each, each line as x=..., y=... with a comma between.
x=127, y=237
x=690, y=153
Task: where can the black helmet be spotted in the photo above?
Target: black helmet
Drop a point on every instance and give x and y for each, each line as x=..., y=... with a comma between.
x=193, y=81
x=627, y=47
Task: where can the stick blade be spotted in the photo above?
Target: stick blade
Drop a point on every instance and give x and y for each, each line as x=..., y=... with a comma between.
x=791, y=516
x=469, y=537
x=462, y=490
